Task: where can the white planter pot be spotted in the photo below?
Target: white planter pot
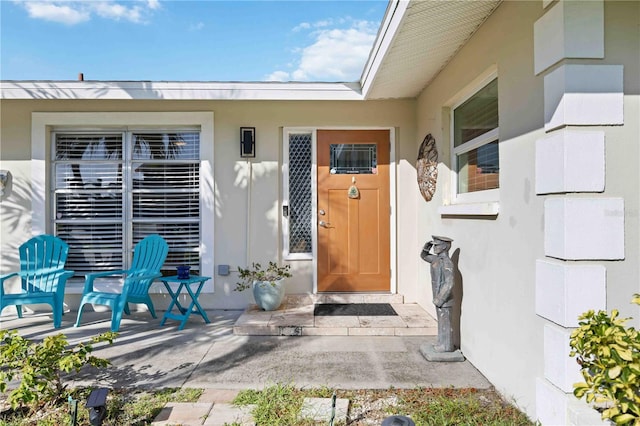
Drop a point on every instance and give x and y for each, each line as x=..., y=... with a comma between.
x=268, y=295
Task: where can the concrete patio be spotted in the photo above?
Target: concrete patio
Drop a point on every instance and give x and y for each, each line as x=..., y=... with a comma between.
x=213, y=357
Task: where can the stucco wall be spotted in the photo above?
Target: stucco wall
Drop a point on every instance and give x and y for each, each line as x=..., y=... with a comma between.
x=500, y=331
x=232, y=244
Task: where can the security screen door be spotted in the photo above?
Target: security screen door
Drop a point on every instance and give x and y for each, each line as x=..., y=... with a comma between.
x=353, y=210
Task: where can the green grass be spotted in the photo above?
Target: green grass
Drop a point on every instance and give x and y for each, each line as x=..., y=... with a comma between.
x=131, y=407
x=280, y=405
x=276, y=405
x=457, y=407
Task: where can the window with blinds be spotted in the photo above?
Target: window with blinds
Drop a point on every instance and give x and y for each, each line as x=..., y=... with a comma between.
x=475, y=141
x=114, y=188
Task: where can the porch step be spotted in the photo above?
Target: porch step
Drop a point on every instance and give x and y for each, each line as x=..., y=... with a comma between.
x=295, y=317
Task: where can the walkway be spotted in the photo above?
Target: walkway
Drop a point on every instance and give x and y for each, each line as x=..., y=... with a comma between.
x=211, y=356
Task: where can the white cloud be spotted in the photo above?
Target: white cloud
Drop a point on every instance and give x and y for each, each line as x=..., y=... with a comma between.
x=60, y=13
x=301, y=26
x=75, y=12
x=117, y=12
x=153, y=4
x=336, y=54
x=278, y=76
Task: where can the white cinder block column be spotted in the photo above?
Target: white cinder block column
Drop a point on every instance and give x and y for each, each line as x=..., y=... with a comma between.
x=572, y=160
x=584, y=228
x=565, y=290
x=583, y=95
x=570, y=29
x=551, y=404
x=562, y=371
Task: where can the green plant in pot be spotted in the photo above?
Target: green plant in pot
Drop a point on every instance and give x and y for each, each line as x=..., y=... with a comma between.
x=267, y=283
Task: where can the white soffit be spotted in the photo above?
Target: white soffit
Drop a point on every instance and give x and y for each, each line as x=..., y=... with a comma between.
x=430, y=34
x=176, y=90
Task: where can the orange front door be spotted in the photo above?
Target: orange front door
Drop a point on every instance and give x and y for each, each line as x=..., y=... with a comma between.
x=353, y=210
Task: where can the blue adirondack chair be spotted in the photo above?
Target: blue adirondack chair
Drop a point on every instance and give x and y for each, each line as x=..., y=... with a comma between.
x=148, y=257
x=43, y=276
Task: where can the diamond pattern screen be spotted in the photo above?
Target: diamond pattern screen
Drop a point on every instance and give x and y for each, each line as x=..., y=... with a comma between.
x=300, y=193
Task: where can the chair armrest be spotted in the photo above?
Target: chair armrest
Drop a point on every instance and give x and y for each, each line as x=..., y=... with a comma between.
x=5, y=277
x=61, y=274
x=89, y=278
x=134, y=279
x=65, y=274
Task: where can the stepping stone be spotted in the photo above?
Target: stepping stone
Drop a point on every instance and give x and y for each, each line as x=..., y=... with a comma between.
x=222, y=414
x=183, y=413
x=319, y=409
x=218, y=395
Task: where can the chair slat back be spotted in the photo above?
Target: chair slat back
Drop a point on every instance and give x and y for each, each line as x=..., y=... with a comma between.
x=39, y=256
x=148, y=257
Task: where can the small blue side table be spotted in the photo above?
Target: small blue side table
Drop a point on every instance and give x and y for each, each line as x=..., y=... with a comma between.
x=184, y=283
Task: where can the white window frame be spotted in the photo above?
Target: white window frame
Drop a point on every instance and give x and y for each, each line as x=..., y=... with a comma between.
x=42, y=124
x=484, y=202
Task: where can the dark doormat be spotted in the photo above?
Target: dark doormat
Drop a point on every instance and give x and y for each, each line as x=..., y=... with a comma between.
x=354, y=309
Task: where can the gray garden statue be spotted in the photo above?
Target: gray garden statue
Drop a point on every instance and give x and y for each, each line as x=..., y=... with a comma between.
x=436, y=252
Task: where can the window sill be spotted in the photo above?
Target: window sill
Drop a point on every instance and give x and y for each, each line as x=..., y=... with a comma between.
x=298, y=256
x=470, y=209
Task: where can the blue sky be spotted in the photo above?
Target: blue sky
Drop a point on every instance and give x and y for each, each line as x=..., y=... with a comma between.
x=184, y=40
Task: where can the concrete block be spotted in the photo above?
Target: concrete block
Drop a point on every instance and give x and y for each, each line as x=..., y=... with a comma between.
x=551, y=403
x=570, y=29
x=383, y=298
x=372, y=331
x=381, y=321
x=581, y=414
x=570, y=161
x=583, y=95
x=584, y=228
x=225, y=396
x=319, y=409
x=566, y=290
x=192, y=413
x=289, y=319
x=559, y=368
x=341, y=298
x=226, y=414
x=432, y=355
x=325, y=331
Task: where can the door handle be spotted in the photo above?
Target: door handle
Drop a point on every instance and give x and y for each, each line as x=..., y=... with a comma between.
x=324, y=224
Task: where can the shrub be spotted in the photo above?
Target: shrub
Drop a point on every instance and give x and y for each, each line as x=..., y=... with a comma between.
x=609, y=357
x=271, y=273
x=40, y=366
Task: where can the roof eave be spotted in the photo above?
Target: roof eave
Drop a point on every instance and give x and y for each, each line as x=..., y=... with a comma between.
x=153, y=90
x=390, y=24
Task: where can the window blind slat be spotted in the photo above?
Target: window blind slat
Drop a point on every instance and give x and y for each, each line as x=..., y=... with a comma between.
x=92, y=182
